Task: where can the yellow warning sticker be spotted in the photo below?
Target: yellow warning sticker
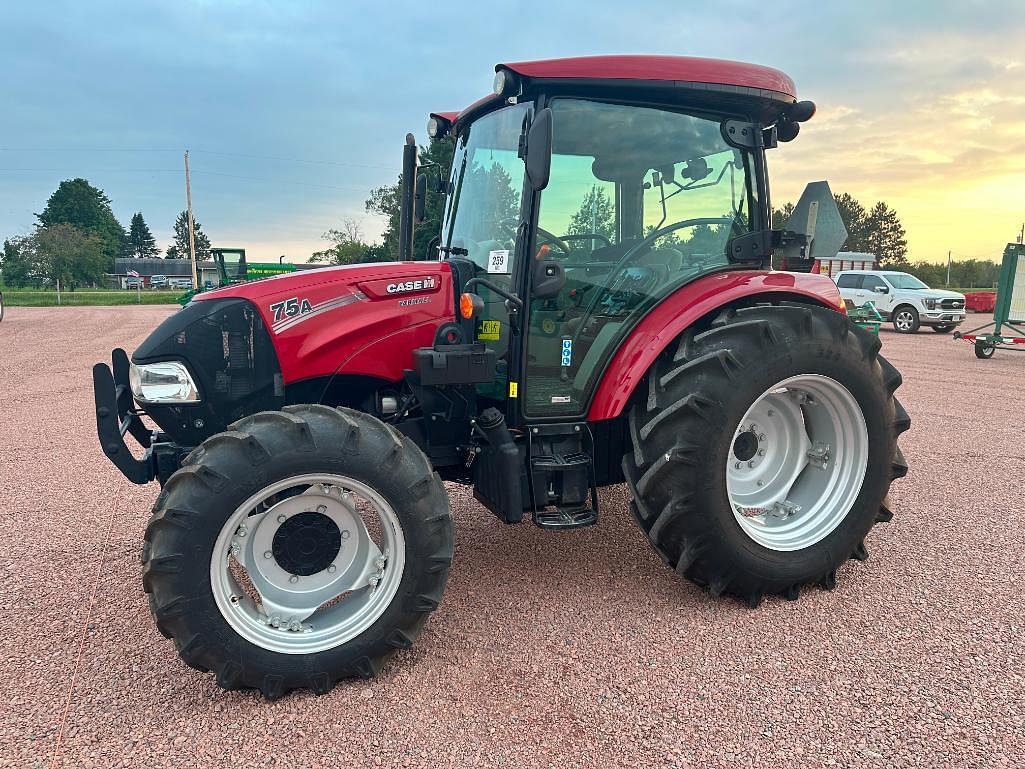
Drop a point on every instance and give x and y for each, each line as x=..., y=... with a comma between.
x=490, y=330
x=514, y=389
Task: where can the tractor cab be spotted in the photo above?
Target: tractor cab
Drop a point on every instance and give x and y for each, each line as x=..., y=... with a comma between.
x=582, y=194
x=231, y=265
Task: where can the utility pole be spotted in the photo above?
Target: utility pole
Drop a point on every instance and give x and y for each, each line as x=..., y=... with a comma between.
x=1021, y=235
x=192, y=228
x=948, y=269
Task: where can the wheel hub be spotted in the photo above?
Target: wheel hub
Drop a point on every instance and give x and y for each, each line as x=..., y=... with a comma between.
x=797, y=463
x=306, y=543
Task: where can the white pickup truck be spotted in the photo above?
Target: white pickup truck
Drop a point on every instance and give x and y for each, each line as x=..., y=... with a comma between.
x=903, y=299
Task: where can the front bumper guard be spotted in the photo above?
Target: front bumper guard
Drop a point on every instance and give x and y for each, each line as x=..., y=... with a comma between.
x=116, y=416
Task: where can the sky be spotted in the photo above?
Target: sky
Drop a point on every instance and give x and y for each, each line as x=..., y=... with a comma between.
x=292, y=112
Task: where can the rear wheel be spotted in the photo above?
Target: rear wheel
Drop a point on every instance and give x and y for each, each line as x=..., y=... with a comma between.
x=906, y=320
x=298, y=548
x=984, y=350
x=764, y=450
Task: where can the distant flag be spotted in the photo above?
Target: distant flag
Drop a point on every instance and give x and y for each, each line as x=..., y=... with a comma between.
x=133, y=274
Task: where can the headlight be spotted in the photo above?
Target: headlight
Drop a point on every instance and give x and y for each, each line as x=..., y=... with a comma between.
x=930, y=304
x=166, y=382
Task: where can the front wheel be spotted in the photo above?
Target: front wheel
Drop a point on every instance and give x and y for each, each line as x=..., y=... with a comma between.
x=764, y=449
x=906, y=320
x=298, y=548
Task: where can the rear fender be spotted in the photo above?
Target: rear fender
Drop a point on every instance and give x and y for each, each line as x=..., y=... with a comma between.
x=685, y=307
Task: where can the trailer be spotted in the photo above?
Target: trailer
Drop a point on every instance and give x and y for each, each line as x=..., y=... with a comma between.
x=1007, y=331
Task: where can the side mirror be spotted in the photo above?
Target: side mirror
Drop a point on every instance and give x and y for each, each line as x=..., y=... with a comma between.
x=881, y=289
x=547, y=279
x=420, y=199
x=538, y=158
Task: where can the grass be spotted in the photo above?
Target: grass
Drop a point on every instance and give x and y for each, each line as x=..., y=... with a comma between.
x=25, y=297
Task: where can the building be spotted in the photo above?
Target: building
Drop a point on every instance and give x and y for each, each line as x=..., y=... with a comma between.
x=844, y=260
x=172, y=268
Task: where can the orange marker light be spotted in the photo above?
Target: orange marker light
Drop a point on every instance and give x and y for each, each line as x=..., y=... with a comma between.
x=466, y=307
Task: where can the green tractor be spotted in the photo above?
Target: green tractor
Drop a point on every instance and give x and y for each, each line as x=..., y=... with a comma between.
x=232, y=267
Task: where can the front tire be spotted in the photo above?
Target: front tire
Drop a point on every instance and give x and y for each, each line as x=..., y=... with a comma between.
x=714, y=518
x=906, y=320
x=301, y=547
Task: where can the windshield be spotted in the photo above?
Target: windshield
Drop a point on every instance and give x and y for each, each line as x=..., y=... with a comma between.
x=903, y=280
x=487, y=183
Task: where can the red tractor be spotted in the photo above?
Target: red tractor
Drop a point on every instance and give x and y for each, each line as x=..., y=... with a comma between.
x=599, y=307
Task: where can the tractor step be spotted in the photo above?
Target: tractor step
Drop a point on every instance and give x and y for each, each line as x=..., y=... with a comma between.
x=565, y=518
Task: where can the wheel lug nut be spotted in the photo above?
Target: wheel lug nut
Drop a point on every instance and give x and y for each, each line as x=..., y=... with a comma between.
x=761, y=452
x=322, y=509
x=268, y=554
x=771, y=413
x=346, y=533
x=332, y=569
x=294, y=626
x=293, y=579
x=751, y=463
x=738, y=465
x=281, y=519
x=761, y=438
x=275, y=621
x=761, y=483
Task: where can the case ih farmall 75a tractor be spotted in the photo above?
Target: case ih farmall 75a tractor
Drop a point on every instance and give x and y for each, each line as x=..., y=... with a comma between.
x=598, y=307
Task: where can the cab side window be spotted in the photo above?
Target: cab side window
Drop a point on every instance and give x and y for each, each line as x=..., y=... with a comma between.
x=849, y=281
x=870, y=282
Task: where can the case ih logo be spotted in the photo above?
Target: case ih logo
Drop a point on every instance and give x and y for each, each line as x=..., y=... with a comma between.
x=423, y=284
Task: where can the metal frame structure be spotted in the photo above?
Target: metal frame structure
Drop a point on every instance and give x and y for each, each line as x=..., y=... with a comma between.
x=1009, y=312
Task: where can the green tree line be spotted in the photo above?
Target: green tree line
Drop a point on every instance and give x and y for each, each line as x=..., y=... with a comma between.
x=76, y=239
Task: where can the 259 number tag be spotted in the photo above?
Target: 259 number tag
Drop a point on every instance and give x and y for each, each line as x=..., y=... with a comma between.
x=290, y=308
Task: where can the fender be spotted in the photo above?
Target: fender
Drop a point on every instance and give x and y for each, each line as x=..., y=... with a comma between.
x=685, y=306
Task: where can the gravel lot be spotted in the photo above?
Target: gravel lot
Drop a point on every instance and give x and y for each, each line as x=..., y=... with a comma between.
x=562, y=650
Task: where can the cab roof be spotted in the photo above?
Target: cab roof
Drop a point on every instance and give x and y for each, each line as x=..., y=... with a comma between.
x=713, y=77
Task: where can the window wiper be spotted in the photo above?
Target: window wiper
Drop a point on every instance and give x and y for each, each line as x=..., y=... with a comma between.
x=454, y=250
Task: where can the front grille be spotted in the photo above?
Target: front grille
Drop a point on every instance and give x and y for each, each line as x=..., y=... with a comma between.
x=952, y=304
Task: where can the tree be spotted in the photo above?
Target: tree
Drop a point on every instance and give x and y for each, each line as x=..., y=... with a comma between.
x=386, y=201
x=17, y=263
x=348, y=246
x=884, y=236
x=597, y=214
x=141, y=243
x=87, y=208
x=180, y=248
x=780, y=216
x=69, y=255
x=854, y=219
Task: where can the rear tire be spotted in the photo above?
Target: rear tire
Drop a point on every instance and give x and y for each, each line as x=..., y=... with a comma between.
x=984, y=351
x=198, y=507
x=685, y=432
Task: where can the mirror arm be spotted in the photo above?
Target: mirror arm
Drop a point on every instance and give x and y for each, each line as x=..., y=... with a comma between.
x=509, y=297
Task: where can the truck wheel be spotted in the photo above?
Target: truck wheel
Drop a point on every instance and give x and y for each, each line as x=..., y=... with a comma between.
x=984, y=350
x=764, y=448
x=299, y=547
x=905, y=319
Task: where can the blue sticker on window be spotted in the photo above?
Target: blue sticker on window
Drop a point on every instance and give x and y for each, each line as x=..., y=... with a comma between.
x=567, y=352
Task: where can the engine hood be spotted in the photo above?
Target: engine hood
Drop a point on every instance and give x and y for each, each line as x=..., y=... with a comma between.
x=940, y=293
x=358, y=319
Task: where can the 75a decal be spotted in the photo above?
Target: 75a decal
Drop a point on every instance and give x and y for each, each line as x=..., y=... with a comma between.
x=290, y=308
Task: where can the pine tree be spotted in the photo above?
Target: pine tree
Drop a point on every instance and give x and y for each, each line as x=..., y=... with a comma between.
x=141, y=243
x=854, y=219
x=885, y=236
x=180, y=248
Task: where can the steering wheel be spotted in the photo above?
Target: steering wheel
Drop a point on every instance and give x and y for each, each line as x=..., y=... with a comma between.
x=511, y=225
x=641, y=248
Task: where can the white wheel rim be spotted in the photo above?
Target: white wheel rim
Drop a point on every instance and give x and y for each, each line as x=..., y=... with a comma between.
x=904, y=320
x=319, y=610
x=797, y=462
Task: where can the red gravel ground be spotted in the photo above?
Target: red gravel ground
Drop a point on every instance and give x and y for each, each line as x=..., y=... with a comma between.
x=576, y=649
